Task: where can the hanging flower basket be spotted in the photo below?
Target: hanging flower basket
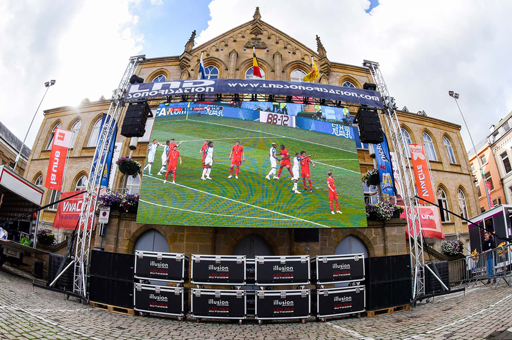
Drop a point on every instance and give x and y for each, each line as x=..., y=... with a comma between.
x=382, y=211
x=129, y=166
x=371, y=177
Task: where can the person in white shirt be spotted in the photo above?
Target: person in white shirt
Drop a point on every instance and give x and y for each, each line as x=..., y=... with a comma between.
x=208, y=161
x=273, y=162
x=151, y=156
x=296, y=172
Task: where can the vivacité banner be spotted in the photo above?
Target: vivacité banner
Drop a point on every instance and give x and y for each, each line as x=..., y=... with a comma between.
x=251, y=86
x=68, y=212
x=61, y=141
x=421, y=172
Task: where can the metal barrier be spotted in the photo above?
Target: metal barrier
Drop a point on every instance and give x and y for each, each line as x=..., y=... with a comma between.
x=492, y=266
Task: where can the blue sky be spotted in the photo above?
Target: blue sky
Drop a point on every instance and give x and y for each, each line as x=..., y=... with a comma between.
x=167, y=27
x=85, y=46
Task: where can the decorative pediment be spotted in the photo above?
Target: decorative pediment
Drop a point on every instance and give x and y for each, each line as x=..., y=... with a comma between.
x=255, y=42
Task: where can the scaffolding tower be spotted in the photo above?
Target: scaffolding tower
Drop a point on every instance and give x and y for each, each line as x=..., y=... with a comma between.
x=86, y=222
x=405, y=180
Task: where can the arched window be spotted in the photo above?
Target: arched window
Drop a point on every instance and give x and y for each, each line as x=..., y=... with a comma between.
x=75, y=129
x=93, y=138
x=408, y=140
x=463, y=208
x=54, y=197
x=442, y=200
x=449, y=150
x=133, y=185
x=39, y=181
x=160, y=78
x=297, y=75
x=348, y=84
x=249, y=75
x=211, y=72
x=429, y=147
x=50, y=140
x=81, y=184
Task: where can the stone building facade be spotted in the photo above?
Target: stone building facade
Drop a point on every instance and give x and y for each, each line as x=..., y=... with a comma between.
x=500, y=142
x=9, y=148
x=450, y=169
x=229, y=55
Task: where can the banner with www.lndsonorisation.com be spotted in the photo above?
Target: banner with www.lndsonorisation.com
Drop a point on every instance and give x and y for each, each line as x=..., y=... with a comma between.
x=251, y=86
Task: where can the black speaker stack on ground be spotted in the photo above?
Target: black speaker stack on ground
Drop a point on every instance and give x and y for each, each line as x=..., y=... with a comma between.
x=134, y=124
x=370, y=129
x=432, y=285
x=111, y=280
x=65, y=282
x=388, y=281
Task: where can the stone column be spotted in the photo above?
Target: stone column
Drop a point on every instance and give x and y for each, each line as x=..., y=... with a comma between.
x=233, y=56
x=278, y=67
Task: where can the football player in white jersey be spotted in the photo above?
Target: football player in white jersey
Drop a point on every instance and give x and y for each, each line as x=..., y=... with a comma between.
x=273, y=161
x=208, y=161
x=151, y=155
x=296, y=171
x=165, y=155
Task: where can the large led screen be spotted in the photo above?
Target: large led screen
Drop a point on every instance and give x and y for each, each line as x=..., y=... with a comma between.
x=250, y=164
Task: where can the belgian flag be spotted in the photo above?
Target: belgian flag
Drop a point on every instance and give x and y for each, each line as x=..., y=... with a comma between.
x=255, y=68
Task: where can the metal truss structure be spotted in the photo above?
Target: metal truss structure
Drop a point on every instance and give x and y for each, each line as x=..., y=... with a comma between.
x=86, y=223
x=405, y=180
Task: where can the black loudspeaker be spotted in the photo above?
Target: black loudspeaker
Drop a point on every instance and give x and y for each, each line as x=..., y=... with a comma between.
x=134, y=124
x=38, y=269
x=370, y=86
x=432, y=285
x=65, y=282
x=136, y=79
x=388, y=281
x=111, y=292
x=370, y=129
x=112, y=265
x=306, y=235
x=388, y=268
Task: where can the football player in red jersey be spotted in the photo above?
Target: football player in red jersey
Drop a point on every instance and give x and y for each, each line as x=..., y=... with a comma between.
x=304, y=165
x=333, y=195
x=285, y=162
x=203, y=148
x=237, y=156
x=172, y=163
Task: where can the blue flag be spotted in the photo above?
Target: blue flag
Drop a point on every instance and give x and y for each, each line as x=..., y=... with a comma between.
x=201, y=68
x=384, y=166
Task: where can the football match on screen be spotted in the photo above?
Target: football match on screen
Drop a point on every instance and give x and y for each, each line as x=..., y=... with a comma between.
x=250, y=164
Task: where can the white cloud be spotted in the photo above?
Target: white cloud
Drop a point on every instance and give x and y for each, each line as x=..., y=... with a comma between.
x=84, y=45
x=157, y=2
x=425, y=48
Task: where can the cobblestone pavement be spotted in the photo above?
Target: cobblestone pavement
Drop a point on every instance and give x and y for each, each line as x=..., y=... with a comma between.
x=34, y=313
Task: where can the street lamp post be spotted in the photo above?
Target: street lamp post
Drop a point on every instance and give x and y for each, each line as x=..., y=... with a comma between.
x=47, y=85
x=455, y=96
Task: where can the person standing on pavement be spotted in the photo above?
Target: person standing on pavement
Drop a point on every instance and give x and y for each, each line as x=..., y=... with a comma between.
x=487, y=247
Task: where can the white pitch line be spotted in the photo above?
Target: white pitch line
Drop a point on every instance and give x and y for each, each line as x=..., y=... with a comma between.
x=222, y=215
x=336, y=159
x=349, y=331
x=216, y=139
x=275, y=134
x=254, y=206
x=337, y=167
x=461, y=320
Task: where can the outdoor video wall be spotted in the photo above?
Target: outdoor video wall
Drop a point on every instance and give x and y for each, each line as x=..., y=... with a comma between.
x=252, y=164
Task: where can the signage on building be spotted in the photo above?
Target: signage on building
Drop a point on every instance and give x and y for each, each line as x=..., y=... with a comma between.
x=488, y=188
x=384, y=166
x=421, y=172
x=68, y=212
x=430, y=222
x=55, y=173
x=396, y=173
x=97, y=161
x=251, y=86
x=104, y=215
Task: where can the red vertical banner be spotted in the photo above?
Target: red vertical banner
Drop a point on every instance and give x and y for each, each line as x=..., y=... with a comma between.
x=421, y=172
x=488, y=188
x=55, y=173
x=430, y=222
